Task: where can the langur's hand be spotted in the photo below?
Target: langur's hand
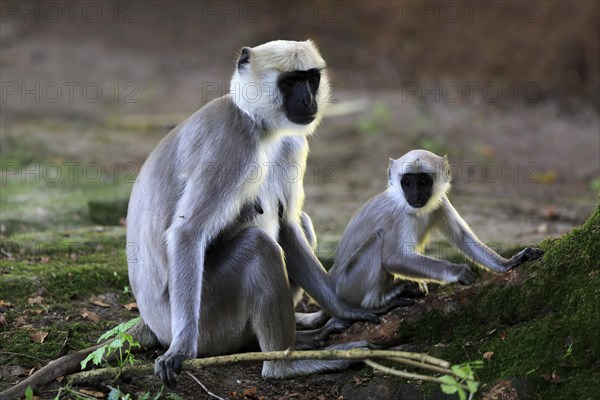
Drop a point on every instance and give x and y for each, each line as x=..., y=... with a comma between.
x=168, y=366
x=525, y=255
x=465, y=275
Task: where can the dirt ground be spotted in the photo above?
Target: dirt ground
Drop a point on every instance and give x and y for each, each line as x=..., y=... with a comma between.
x=105, y=90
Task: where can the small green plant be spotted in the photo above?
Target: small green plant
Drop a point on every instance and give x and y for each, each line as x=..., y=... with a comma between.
x=121, y=338
x=117, y=394
x=569, y=352
x=463, y=380
x=28, y=393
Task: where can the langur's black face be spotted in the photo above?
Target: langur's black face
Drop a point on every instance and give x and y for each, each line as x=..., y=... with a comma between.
x=299, y=89
x=417, y=188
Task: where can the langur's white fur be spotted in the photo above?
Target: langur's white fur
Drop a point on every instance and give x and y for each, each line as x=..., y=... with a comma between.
x=420, y=161
x=254, y=86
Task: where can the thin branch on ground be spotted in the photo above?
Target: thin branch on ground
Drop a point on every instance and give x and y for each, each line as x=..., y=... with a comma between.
x=208, y=392
x=407, y=375
x=419, y=360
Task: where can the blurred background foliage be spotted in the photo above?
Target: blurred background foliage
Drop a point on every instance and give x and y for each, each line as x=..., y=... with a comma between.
x=516, y=83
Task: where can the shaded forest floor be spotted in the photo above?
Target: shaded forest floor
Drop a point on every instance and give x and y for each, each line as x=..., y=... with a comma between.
x=539, y=339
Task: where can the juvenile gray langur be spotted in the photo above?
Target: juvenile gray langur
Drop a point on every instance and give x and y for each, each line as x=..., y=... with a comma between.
x=384, y=239
x=217, y=240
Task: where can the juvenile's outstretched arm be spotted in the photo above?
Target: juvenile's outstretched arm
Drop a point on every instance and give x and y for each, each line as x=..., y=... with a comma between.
x=458, y=232
x=413, y=265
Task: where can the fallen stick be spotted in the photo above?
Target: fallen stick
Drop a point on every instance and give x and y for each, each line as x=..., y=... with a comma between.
x=54, y=369
x=419, y=360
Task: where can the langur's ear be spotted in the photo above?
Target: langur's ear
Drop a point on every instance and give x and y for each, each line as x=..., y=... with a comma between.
x=446, y=172
x=390, y=171
x=244, y=57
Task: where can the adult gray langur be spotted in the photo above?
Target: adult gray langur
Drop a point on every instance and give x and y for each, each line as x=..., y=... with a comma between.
x=217, y=241
x=384, y=239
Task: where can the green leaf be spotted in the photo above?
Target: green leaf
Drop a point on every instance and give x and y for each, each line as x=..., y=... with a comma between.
x=468, y=370
x=448, y=380
x=462, y=394
x=125, y=326
x=108, y=334
x=96, y=357
x=461, y=371
x=130, y=359
x=28, y=393
x=83, y=364
x=130, y=324
x=449, y=389
x=473, y=386
x=114, y=394
x=126, y=337
x=449, y=385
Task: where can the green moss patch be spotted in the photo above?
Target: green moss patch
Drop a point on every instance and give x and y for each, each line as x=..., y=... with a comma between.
x=46, y=283
x=549, y=325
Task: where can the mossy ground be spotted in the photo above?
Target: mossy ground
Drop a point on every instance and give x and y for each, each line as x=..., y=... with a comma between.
x=64, y=271
x=547, y=330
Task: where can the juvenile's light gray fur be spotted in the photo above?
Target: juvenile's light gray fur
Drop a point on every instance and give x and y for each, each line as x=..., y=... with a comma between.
x=384, y=239
x=210, y=275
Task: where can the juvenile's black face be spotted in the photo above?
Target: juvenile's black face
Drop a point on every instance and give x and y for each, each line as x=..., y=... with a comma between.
x=417, y=188
x=299, y=89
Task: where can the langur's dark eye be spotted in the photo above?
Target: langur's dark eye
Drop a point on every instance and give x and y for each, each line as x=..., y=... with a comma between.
x=405, y=181
x=289, y=82
x=423, y=182
x=315, y=79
